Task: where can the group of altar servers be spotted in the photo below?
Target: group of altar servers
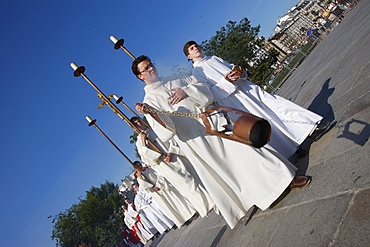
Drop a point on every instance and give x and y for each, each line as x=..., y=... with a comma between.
x=188, y=172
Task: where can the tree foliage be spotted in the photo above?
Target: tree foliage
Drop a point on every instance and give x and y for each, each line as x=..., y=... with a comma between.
x=96, y=220
x=236, y=43
x=263, y=71
x=233, y=42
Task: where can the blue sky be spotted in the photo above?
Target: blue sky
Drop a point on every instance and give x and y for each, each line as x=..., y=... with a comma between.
x=49, y=156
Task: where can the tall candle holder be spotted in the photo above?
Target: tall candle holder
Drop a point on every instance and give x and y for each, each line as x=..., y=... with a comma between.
x=118, y=43
x=119, y=100
x=79, y=71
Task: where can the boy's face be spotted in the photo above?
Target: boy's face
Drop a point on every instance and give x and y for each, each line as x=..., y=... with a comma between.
x=135, y=188
x=139, y=124
x=138, y=166
x=148, y=72
x=195, y=53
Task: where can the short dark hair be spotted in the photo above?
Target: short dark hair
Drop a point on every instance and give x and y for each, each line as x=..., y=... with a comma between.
x=132, y=186
x=136, y=62
x=133, y=119
x=187, y=45
x=137, y=163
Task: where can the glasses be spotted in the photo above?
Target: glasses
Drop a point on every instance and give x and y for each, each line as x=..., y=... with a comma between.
x=150, y=65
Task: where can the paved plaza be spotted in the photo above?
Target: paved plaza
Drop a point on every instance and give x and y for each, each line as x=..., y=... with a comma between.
x=334, y=210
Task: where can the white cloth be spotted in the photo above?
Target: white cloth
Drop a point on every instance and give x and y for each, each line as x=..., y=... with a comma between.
x=169, y=200
x=143, y=202
x=236, y=176
x=179, y=172
x=143, y=219
x=137, y=226
x=290, y=123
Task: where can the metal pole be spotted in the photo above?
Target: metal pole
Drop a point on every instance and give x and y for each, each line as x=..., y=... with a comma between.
x=120, y=100
x=119, y=44
x=79, y=71
x=92, y=122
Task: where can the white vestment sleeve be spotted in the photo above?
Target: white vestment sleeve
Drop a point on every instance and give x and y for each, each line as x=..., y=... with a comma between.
x=164, y=134
x=199, y=93
x=139, y=202
x=147, y=155
x=174, y=148
x=147, y=186
x=146, y=197
x=131, y=211
x=220, y=90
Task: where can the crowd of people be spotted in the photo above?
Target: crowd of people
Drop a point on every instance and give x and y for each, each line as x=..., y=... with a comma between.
x=332, y=14
x=185, y=172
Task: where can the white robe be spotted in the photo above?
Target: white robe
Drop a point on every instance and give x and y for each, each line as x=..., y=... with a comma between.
x=170, y=201
x=143, y=219
x=141, y=232
x=290, y=123
x=179, y=172
x=143, y=202
x=236, y=176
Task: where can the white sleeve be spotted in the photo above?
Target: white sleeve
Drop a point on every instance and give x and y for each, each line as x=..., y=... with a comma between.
x=174, y=148
x=164, y=133
x=146, y=186
x=147, y=155
x=198, y=92
x=220, y=87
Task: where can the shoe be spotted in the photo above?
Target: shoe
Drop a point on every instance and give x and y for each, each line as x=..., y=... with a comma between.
x=301, y=152
x=194, y=217
x=299, y=182
x=320, y=131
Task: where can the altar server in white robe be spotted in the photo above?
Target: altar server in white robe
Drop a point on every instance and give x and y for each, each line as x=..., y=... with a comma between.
x=174, y=167
x=291, y=124
x=169, y=200
x=140, y=216
x=133, y=223
x=144, y=202
x=236, y=176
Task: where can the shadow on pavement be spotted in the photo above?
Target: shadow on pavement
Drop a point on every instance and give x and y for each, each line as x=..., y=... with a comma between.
x=320, y=103
x=254, y=211
x=216, y=241
x=357, y=131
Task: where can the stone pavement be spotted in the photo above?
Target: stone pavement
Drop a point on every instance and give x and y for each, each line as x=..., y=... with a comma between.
x=334, y=210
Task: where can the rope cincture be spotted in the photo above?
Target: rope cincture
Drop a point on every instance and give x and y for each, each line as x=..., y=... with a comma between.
x=150, y=109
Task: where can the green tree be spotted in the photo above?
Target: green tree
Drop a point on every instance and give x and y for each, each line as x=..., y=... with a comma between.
x=97, y=219
x=235, y=43
x=263, y=71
